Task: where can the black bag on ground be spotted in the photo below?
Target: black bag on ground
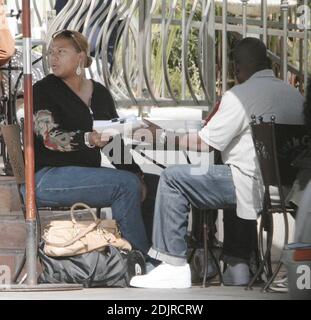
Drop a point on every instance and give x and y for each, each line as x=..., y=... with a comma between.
x=108, y=268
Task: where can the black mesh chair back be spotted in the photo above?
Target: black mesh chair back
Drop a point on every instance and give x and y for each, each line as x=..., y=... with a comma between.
x=277, y=146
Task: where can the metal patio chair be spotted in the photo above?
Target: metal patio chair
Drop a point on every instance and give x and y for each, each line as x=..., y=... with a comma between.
x=277, y=145
x=13, y=141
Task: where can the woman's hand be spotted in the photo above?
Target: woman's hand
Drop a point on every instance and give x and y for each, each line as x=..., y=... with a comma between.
x=99, y=139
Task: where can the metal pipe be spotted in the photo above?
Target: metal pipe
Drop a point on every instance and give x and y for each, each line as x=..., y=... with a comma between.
x=224, y=46
x=259, y=31
x=185, y=64
x=284, y=7
x=147, y=53
x=183, y=50
x=125, y=52
x=165, y=53
x=31, y=252
x=29, y=149
x=244, y=10
x=35, y=6
x=141, y=46
x=306, y=42
x=163, y=24
x=264, y=21
x=211, y=58
x=104, y=37
x=203, y=62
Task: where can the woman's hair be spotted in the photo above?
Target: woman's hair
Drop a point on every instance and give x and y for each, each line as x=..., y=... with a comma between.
x=307, y=105
x=78, y=40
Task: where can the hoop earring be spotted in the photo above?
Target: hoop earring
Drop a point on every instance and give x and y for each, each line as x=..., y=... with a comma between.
x=79, y=70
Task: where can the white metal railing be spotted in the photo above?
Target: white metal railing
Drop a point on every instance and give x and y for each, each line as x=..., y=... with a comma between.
x=137, y=23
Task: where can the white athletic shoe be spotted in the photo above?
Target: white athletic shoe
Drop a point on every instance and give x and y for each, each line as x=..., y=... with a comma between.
x=280, y=285
x=165, y=276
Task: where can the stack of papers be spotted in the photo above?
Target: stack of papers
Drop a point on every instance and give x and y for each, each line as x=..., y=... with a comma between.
x=118, y=125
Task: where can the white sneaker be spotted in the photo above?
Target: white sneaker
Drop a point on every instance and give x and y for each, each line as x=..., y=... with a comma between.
x=280, y=285
x=165, y=276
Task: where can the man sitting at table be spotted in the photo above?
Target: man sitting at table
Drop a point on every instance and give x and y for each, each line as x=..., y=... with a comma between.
x=237, y=183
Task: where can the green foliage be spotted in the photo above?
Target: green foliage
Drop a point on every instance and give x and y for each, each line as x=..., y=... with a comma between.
x=174, y=52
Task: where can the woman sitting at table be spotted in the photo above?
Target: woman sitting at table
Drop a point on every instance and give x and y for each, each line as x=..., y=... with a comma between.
x=67, y=150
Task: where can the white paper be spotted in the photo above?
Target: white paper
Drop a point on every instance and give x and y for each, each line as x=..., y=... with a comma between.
x=117, y=127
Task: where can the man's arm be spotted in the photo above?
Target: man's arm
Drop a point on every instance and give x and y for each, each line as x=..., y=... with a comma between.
x=187, y=141
x=7, y=48
x=193, y=142
x=172, y=140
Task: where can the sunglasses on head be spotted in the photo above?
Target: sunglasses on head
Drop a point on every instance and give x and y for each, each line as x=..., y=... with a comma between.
x=67, y=34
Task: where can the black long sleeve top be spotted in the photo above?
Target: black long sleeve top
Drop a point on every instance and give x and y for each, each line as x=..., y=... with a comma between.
x=61, y=119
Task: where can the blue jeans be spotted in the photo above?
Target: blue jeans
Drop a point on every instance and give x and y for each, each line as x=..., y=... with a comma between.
x=97, y=187
x=179, y=187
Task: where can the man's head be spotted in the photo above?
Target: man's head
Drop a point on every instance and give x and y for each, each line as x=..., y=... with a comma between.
x=250, y=56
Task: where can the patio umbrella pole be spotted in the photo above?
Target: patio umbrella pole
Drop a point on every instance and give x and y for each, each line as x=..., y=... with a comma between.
x=31, y=240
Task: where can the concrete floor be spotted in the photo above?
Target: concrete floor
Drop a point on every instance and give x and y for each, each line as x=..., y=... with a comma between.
x=113, y=294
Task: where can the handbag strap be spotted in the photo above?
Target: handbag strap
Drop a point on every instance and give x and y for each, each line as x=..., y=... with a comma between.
x=83, y=205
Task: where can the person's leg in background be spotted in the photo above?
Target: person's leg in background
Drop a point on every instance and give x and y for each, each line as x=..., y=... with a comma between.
x=240, y=242
x=97, y=187
x=152, y=181
x=303, y=222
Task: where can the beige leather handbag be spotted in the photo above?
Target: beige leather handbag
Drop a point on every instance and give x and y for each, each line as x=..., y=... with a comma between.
x=71, y=238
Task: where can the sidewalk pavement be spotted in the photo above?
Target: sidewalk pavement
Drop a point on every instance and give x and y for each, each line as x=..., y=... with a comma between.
x=113, y=294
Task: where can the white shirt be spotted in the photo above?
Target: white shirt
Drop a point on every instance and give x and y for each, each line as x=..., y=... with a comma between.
x=229, y=131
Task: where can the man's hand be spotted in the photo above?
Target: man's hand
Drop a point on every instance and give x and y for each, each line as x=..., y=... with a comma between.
x=99, y=139
x=150, y=124
x=149, y=134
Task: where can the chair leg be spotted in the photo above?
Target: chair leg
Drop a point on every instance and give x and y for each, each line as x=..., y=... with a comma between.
x=217, y=265
x=189, y=260
x=279, y=265
x=264, y=254
x=261, y=264
x=98, y=211
x=271, y=279
x=268, y=227
x=267, y=260
x=19, y=269
x=205, y=243
x=208, y=247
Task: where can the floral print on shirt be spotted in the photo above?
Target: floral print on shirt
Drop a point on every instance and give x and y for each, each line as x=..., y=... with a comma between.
x=54, y=138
